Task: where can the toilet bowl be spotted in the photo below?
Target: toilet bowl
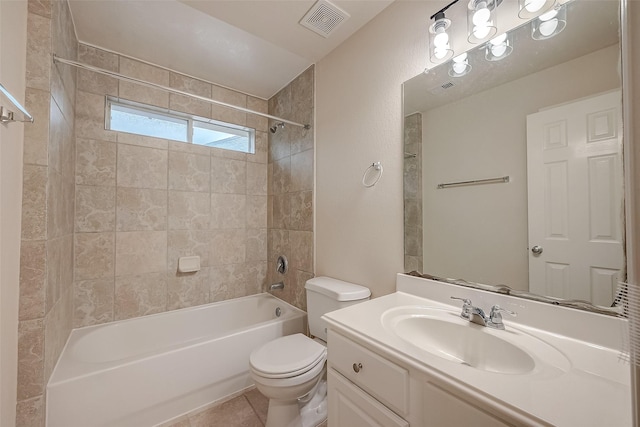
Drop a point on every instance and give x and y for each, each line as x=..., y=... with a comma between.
x=289, y=370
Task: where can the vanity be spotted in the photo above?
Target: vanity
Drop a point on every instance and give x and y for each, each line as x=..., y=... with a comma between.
x=409, y=359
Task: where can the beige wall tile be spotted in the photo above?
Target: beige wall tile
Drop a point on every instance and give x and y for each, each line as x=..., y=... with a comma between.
x=139, y=252
x=90, y=110
x=89, y=81
x=65, y=44
x=94, y=255
x=301, y=139
x=281, y=176
x=226, y=281
x=34, y=202
x=301, y=250
x=56, y=136
x=302, y=210
x=140, y=209
x=189, y=172
x=257, y=179
x=185, y=147
x=32, y=279
x=141, y=167
x=68, y=153
x=254, y=121
x=227, y=247
x=142, y=140
x=228, y=176
x=95, y=209
x=38, y=52
x=279, y=144
x=55, y=204
x=62, y=95
x=256, y=211
x=225, y=114
x=188, y=211
x=53, y=287
x=280, y=104
x=187, y=289
x=227, y=154
x=140, y=295
x=256, y=244
x=36, y=135
x=256, y=277
x=150, y=73
x=187, y=104
x=95, y=162
x=57, y=326
x=299, y=296
x=281, y=211
x=228, y=211
x=40, y=7
x=66, y=263
x=31, y=412
x=30, y=359
x=261, y=154
x=93, y=302
x=302, y=171
x=187, y=243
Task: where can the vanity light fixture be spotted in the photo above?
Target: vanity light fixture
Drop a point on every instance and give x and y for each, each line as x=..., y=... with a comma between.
x=439, y=43
x=460, y=66
x=499, y=47
x=481, y=20
x=532, y=8
x=549, y=24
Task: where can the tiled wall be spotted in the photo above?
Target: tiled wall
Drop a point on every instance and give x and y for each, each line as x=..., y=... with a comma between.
x=46, y=255
x=291, y=181
x=413, y=193
x=142, y=202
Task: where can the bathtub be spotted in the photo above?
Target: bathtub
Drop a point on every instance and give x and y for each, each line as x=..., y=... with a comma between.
x=149, y=370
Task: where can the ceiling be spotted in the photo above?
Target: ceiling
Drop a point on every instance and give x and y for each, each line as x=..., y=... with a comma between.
x=253, y=46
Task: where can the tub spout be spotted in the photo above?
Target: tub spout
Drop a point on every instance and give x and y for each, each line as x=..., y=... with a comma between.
x=279, y=285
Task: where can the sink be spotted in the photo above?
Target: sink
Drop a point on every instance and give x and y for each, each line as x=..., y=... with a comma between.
x=443, y=333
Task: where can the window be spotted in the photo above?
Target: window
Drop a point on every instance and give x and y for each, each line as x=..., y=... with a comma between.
x=132, y=117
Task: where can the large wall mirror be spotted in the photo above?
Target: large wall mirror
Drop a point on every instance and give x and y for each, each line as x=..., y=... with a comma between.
x=514, y=169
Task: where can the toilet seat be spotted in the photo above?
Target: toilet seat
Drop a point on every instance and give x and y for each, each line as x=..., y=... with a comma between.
x=287, y=357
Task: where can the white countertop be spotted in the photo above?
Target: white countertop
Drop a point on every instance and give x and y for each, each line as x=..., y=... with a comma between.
x=591, y=390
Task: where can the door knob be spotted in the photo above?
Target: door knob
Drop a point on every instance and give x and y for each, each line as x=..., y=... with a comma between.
x=537, y=250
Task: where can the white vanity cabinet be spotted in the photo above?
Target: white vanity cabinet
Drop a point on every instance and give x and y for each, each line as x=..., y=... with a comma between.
x=368, y=389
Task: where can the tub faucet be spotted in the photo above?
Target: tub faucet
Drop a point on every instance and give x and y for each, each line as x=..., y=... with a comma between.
x=279, y=285
x=476, y=315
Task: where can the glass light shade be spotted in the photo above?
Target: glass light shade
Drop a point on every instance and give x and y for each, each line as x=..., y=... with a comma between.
x=549, y=24
x=460, y=66
x=481, y=20
x=531, y=8
x=439, y=42
x=499, y=47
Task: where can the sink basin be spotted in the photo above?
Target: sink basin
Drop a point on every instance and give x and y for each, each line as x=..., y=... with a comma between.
x=443, y=333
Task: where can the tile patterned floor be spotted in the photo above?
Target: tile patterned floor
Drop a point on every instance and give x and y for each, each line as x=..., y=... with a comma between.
x=247, y=410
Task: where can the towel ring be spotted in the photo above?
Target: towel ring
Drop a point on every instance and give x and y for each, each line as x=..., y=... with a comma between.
x=377, y=166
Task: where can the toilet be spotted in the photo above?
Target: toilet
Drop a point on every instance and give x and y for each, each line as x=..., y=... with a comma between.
x=290, y=370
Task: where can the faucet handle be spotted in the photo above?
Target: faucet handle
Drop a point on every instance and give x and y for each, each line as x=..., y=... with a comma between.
x=495, y=316
x=466, y=307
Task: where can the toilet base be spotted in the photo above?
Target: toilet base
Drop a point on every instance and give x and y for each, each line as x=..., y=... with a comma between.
x=294, y=413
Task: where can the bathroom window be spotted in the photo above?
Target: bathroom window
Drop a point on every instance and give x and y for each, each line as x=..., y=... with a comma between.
x=141, y=119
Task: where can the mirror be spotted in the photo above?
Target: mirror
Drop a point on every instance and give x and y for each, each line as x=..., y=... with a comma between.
x=513, y=172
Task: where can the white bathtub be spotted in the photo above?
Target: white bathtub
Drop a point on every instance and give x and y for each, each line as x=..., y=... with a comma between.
x=146, y=371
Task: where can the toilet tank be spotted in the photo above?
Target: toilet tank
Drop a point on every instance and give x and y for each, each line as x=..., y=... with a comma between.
x=325, y=294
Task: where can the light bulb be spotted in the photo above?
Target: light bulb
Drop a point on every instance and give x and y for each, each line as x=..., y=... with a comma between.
x=440, y=52
x=460, y=58
x=481, y=31
x=441, y=39
x=534, y=5
x=499, y=40
x=482, y=15
x=548, y=27
x=499, y=50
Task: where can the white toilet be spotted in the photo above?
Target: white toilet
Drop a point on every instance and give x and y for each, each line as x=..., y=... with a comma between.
x=289, y=370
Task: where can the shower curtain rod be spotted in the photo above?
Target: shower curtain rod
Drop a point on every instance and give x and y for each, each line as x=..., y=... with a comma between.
x=171, y=90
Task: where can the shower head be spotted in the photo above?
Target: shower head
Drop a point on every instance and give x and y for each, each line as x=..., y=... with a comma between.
x=275, y=127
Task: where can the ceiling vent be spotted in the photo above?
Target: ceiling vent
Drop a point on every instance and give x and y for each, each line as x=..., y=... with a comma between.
x=440, y=88
x=323, y=18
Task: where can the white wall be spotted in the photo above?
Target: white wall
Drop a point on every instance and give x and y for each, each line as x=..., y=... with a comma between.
x=359, y=231
x=13, y=33
x=468, y=231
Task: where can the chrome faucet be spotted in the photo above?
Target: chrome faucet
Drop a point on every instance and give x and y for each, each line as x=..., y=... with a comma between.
x=476, y=315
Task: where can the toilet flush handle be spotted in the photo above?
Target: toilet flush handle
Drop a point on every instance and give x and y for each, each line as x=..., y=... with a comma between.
x=357, y=367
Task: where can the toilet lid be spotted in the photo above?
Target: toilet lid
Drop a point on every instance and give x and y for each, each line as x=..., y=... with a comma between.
x=287, y=356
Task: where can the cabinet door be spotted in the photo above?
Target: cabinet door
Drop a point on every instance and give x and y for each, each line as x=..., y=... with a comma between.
x=444, y=409
x=349, y=406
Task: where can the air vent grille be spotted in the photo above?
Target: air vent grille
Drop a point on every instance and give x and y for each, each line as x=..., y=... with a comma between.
x=441, y=88
x=323, y=18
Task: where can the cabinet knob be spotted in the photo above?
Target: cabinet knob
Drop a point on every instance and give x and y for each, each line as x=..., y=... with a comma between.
x=357, y=367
